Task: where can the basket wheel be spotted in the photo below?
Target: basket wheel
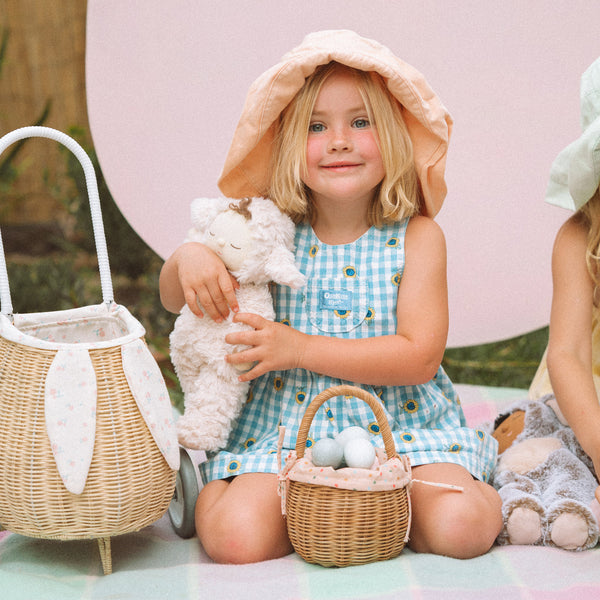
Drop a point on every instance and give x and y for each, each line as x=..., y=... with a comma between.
x=182, y=506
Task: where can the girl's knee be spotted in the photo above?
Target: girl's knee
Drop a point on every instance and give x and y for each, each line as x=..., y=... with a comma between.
x=470, y=530
x=239, y=532
x=226, y=543
x=460, y=525
x=240, y=538
x=459, y=533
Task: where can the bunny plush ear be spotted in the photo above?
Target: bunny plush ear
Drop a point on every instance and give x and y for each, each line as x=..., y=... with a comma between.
x=281, y=268
x=204, y=211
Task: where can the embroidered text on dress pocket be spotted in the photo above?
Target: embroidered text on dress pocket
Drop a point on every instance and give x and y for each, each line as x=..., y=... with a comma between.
x=337, y=305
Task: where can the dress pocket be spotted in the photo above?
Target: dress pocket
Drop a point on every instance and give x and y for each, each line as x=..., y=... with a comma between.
x=337, y=305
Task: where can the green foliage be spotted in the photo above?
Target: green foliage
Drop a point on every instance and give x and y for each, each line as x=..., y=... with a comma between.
x=508, y=363
x=49, y=284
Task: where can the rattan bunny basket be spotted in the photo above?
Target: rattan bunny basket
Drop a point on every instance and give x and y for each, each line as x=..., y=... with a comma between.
x=333, y=524
x=87, y=439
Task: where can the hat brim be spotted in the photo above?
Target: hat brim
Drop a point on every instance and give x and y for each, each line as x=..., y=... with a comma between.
x=575, y=173
x=246, y=170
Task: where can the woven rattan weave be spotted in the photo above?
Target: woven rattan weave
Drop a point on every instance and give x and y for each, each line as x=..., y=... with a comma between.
x=129, y=484
x=336, y=527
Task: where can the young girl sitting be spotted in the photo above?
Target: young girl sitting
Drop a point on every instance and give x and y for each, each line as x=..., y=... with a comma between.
x=350, y=142
x=573, y=356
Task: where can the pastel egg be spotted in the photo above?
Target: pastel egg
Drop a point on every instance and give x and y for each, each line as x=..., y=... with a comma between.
x=359, y=453
x=351, y=433
x=326, y=452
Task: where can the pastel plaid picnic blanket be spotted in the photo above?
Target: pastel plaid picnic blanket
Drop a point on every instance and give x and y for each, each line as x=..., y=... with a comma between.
x=156, y=564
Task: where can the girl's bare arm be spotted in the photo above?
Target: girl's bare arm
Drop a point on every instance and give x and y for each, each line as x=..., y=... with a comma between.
x=570, y=343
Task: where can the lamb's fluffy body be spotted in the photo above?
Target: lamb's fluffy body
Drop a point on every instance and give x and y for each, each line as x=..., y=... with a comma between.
x=213, y=394
x=546, y=483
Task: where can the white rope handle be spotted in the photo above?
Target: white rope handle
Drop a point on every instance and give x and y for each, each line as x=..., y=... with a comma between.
x=94, y=199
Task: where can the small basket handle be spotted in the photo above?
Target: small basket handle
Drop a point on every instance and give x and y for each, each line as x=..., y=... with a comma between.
x=346, y=390
x=94, y=199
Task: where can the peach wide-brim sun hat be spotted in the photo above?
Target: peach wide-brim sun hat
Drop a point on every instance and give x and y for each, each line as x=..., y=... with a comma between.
x=246, y=170
x=575, y=172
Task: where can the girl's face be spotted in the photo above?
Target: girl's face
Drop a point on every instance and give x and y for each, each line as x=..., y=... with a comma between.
x=343, y=162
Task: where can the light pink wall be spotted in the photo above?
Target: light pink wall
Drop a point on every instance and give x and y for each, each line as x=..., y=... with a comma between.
x=166, y=82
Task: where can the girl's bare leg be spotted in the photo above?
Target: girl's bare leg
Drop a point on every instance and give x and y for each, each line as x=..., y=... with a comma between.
x=457, y=524
x=240, y=521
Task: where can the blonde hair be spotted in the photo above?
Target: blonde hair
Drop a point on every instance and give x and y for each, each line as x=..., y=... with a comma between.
x=399, y=193
x=589, y=214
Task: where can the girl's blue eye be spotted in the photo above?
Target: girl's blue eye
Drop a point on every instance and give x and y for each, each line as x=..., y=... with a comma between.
x=316, y=127
x=361, y=123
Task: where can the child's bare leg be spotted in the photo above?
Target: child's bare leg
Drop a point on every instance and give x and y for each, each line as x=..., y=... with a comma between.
x=240, y=521
x=457, y=524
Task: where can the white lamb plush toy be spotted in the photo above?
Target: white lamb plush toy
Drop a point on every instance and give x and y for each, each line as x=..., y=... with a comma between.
x=256, y=241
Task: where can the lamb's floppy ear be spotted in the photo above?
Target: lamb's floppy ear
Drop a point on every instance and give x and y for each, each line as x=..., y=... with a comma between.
x=282, y=269
x=204, y=212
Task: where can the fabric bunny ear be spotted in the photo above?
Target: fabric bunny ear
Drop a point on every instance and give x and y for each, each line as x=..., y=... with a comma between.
x=152, y=398
x=70, y=412
x=204, y=211
x=281, y=268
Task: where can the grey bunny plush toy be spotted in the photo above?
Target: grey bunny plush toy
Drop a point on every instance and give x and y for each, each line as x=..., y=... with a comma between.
x=546, y=482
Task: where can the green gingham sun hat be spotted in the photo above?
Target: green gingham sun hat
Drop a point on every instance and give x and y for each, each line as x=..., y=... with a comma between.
x=575, y=173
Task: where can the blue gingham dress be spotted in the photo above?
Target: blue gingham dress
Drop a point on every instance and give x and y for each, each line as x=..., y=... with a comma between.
x=351, y=293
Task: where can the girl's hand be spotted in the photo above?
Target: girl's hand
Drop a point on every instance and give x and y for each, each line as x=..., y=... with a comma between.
x=273, y=346
x=196, y=276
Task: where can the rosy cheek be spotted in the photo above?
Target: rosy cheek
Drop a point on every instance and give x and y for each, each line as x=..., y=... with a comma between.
x=369, y=144
x=312, y=150
x=313, y=156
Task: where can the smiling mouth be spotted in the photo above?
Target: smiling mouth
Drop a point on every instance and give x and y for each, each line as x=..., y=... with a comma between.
x=337, y=166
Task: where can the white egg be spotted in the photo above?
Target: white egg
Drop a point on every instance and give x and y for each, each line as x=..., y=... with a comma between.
x=326, y=452
x=359, y=453
x=351, y=433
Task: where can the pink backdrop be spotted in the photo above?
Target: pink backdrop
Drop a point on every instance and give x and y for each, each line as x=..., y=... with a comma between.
x=166, y=82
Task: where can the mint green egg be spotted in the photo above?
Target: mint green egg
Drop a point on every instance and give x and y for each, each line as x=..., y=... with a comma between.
x=326, y=452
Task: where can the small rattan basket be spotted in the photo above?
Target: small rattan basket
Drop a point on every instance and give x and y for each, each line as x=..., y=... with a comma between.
x=338, y=527
x=129, y=483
